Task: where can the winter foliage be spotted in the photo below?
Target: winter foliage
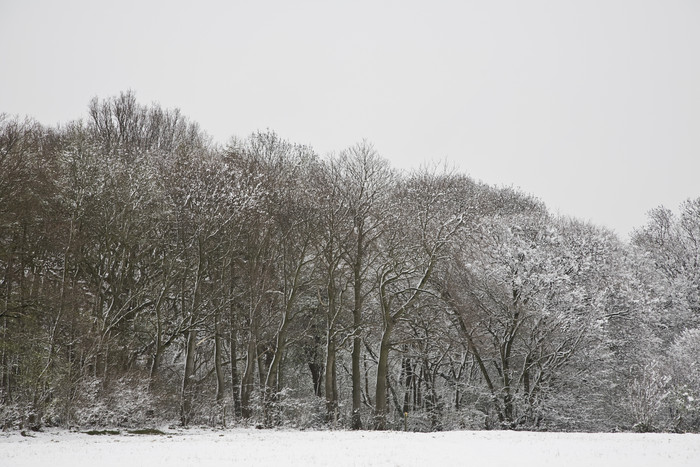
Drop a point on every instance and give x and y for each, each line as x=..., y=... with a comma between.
x=150, y=276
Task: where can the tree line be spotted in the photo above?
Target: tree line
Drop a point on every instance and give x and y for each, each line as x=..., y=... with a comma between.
x=149, y=275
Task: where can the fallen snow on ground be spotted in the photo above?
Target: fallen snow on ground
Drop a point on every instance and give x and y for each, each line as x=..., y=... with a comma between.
x=241, y=447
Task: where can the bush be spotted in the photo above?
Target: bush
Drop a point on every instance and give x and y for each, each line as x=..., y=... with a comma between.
x=126, y=401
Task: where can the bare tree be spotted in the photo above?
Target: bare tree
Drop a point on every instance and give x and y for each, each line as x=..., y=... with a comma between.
x=367, y=181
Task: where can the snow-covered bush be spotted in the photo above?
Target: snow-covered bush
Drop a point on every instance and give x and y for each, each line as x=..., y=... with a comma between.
x=304, y=412
x=11, y=417
x=126, y=401
x=684, y=366
x=647, y=394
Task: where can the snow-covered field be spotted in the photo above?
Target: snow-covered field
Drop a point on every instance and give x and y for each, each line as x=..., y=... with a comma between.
x=248, y=447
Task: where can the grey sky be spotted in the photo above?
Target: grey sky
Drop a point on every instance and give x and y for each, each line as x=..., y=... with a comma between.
x=593, y=106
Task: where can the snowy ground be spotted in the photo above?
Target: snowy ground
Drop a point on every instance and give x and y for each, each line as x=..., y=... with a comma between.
x=242, y=447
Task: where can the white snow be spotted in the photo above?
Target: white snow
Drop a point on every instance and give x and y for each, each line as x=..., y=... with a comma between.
x=248, y=447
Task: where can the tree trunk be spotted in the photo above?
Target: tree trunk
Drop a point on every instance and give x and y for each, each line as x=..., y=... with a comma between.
x=5, y=368
x=235, y=388
x=188, y=378
x=271, y=381
x=6, y=372
x=157, y=360
x=233, y=339
x=356, y=422
x=317, y=377
x=330, y=377
x=220, y=381
x=247, y=382
x=380, y=395
x=158, y=351
x=409, y=384
x=331, y=384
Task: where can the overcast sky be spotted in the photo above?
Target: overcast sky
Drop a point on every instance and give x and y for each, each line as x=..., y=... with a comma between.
x=593, y=106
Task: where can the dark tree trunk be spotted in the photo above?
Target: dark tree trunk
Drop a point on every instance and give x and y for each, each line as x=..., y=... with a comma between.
x=235, y=383
x=247, y=382
x=188, y=378
x=220, y=380
x=380, y=411
x=331, y=385
x=316, y=370
x=356, y=422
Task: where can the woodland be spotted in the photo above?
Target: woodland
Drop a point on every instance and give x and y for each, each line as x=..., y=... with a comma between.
x=151, y=276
